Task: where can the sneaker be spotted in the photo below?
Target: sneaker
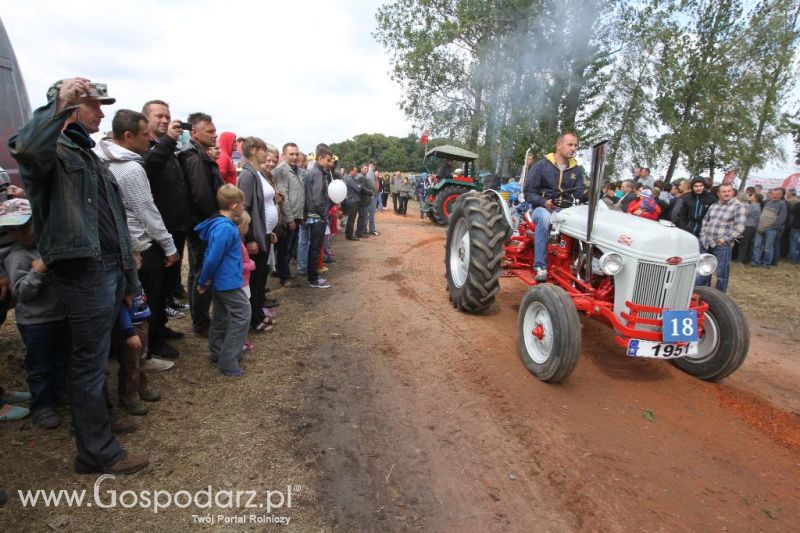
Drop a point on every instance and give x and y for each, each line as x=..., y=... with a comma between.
x=376, y=233
x=13, y=412
x=541, y=274
x=173, y=313
x=248, y=346
x=353, y=238
x=16, y=396
x=271, y=302
x=164, y=350
x=150, y=395
x=157, y=365
x=288, y=284
x=302, y=273
x=239, y=372
x=136, y=409
x=175, y=304
x=171, y=334
x=46, y=417
x=321, y=283
x=323, y=269
x=264, y=326
x=330, y=261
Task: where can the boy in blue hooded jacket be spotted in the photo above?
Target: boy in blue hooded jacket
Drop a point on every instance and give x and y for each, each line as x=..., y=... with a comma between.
x=222, y=272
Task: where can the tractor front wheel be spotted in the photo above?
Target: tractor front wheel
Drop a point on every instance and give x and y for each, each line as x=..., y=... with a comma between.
x=549, y=332
x=725, y=341
x=474, y=251
x=445, y=202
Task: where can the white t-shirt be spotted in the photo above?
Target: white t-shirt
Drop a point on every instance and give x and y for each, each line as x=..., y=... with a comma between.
x=270, y=209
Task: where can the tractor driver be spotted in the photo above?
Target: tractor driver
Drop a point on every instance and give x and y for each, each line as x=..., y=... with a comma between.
x=445, y=172
x=553, y=178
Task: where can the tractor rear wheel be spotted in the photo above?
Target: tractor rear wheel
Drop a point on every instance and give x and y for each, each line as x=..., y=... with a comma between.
x=445, y=202
x=725, y=341
x=474, y=251
x=549, y=332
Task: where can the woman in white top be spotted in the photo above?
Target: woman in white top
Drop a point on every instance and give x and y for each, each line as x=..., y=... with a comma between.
x=258, y=239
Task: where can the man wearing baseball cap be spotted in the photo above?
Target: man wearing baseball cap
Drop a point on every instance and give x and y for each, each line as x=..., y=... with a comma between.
x=84, y=241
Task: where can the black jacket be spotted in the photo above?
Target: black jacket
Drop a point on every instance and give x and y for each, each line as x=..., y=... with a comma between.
x=316, y=189
x=693, y=211
x=167, y=184
x=202, y=180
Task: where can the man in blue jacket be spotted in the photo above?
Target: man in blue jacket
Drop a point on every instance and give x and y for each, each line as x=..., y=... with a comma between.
x=554, y=182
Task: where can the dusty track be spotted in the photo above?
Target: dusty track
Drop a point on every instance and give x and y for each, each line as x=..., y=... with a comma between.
x=428, y=419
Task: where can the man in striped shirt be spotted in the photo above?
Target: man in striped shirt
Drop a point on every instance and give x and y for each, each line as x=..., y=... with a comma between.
x=722, y=225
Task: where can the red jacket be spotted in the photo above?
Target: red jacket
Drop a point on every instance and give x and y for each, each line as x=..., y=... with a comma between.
x=647, y=207
x=227, y=143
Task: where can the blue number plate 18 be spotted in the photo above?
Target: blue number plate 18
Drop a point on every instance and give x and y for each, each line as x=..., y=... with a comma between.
x=679, y=326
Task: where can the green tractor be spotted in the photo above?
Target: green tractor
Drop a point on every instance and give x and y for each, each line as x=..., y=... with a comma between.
x=449, y=184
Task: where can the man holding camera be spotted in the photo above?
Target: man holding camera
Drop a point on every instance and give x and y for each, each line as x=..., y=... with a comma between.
x=83, y=238
x=172, y=200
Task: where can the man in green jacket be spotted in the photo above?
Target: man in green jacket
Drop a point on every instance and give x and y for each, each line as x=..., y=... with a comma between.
x=84, y=241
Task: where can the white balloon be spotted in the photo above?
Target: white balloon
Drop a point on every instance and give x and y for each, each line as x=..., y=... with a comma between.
x=337, y=191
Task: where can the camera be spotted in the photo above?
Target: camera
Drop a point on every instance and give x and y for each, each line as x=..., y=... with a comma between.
x=97, y=90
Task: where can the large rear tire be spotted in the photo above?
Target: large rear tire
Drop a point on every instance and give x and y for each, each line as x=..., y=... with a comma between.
x=549, y=333
x=445, y=200
x=725, y=341
x=474, y=251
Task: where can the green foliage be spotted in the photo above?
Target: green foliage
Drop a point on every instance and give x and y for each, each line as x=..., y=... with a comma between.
x=390, y=153
x=696, y=84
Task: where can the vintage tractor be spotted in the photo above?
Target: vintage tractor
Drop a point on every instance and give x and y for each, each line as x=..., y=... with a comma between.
x=635, y=275
x=440, y=197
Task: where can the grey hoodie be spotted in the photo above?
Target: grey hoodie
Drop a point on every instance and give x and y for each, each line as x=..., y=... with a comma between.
x=144, y=220
x=37, y=301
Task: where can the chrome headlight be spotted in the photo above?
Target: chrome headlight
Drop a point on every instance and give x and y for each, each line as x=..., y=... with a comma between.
x=611, y=263
x=706, y=264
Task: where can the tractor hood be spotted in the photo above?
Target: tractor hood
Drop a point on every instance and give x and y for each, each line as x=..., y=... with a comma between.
x=629, y=235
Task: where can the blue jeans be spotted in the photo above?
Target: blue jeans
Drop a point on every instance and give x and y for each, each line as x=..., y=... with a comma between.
x=373, y=203
x=379, y=201
x=541, y=217
x=230, y=322
x=48, y=347
x=794, y=240
x=723, y=255
x=302, y=248
x=764, y=242
x=92, y=296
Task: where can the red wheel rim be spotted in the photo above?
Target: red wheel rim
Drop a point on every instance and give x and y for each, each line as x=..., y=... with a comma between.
x=446, y=205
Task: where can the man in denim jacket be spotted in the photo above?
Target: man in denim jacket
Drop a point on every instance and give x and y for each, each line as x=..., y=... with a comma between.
x=84, y=241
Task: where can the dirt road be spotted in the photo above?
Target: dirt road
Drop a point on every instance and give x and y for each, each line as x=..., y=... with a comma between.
x=387, y=410
x=427, y=419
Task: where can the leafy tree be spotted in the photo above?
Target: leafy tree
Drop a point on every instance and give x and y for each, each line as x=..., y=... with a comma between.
x=769, y=75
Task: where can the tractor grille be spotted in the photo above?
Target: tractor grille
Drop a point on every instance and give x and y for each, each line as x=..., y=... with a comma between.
x=664, y=286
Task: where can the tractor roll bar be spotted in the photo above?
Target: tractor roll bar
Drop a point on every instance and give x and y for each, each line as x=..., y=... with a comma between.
x=595, y=177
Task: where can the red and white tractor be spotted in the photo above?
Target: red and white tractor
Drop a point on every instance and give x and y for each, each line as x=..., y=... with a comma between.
x=634, y=274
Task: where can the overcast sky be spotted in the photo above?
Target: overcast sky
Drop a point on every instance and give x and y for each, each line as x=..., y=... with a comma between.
x=306, y=71
x=302, y=71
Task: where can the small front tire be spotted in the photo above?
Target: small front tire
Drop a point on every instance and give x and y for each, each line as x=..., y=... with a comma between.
x=549, y=333
x=725, y=341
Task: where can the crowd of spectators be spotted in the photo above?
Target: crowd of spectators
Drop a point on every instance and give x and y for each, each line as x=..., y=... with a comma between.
x=91, y=250
x=754, y=228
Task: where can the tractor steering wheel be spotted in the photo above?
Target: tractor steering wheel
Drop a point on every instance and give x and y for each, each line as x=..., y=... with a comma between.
x=560, y=202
